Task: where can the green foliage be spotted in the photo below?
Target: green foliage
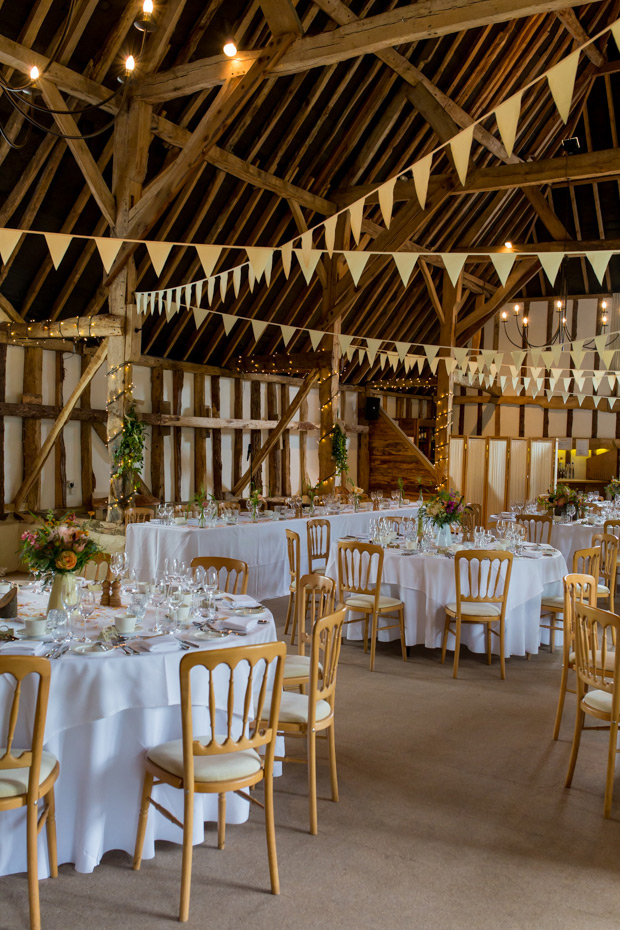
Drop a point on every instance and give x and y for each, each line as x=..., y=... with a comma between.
x=339, y=450
x=129, y=457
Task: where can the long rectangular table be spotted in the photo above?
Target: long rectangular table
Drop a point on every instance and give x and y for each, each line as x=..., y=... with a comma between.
x=262, y=545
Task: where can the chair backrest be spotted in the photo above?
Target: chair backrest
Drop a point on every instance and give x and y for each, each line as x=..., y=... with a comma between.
x=609, y=556
x=228, y=505
x=592, y=626
x=19, y=668
x=232, y=574
x=97, y=568
x=325, y=652
x=315, y=599
x=319, y=539
x=538, y=526
x=587, y=561
x=360, y=569
x=476, y=511
x=292, y=551
x=580, y=588
x=482, y=576
x=247, y=673
x=138, y=515
x=394, y=523
x=612, y=527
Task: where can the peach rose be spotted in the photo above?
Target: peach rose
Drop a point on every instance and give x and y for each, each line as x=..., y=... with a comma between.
x=66, y=561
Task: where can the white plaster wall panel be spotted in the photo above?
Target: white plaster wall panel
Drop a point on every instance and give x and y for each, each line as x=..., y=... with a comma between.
x=471, y=414
x=187, y=464
x=48, y=378
x=142, y=387
x=533, y=426
x=98, y=388
x=582, y=424
x=14, y=375
x=509, y=420
x=71, y=434
x=606, y=426
x=226, y=398
x=48, y=471
x=227, y=453
x=557, y=423
x=13, y=460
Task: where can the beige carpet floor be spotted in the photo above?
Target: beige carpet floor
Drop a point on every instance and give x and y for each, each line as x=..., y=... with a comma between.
x=453, y=816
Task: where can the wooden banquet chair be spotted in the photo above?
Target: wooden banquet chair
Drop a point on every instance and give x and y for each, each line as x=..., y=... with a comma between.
x=598, y=687
x=293, y=549
x=233, y=574
x=476, y=510
x=27, y=776
x=606, y=589
x=538, y=526
x=219, y=762
x=585, y=562
x=319, y=539
x=613, y=528
x=305, y=715
x=97, y=569
x=357, y=563
x=315, y=600
x=138, y=515
x=482, y=599
x=580, y=588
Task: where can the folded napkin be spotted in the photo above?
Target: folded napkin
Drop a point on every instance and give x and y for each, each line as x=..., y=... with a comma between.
x=24, y=648
x=238, y=600
x=167, y=643
x=532, y=553
x=239, y=624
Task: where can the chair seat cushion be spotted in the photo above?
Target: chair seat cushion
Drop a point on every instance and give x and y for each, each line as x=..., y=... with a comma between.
x=294, y=708
x=602, y=590
x=296, y=666
x=475, y=610
x=230, y=765
x=319, y=567
x=366, y=602
x=14, y=782
x=610, y=658
x=553, y=603
x=598, y=700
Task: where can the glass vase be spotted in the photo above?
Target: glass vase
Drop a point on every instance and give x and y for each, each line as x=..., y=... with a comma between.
x=63, y=581
x=444, y=536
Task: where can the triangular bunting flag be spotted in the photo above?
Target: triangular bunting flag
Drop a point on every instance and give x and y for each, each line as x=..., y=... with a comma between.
x=373, y=347
x=402, y=348
x=210, y=290
x=58, y=245
x=577, y=356
x=108, y=250
x=502, y=382
x=237, y=279
x=579, y=379
x=549, y=394
x=287, y=333
x=615, y=31
x=208, y=255
x=258, y=328
x=356, y=262
x=383, y=359
x=431, y=351
x=565, y=397
x=356, y=212
x=551, y=262
x=8, y=240
x=518, y=358
x=607, y=358
x=306, y=245
x=344, y=342
x=308, y=267
x=507, y=116
x=315, y=337
x=599, y=262
x=460, y=355
x=258, y=258
x=386, y=200
x=200, y=316
x=547, y=358
x=198, y=286
x=287, y=254
x=561, y=80
x=453, y=263
x=223, y=284
x=596, y=401
x=597, y=377
x=420, y=361
x=350, y=351
x=405, y=262
x=360, y=355
x=229, y=321
x=460, y=146
x=488, y=355
x=450, y=364
x=433, y=365
x=502, y=262
x=580, y=398
x=421, y=173
x=251, y=278
x=330, y=233
x=600, y=342
x=535, y=372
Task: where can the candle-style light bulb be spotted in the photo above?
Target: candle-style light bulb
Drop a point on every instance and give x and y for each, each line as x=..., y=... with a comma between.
x=34, y=73
x=147, y=7
x=130, y=64
x=230, y=49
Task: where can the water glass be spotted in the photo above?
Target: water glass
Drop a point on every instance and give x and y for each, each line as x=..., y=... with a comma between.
x=57, y=625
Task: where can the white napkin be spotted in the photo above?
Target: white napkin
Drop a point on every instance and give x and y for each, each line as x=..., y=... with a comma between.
x=24, y=648
x=240, y=624
x=532, y=553
x=238, y=600
x=167, y=643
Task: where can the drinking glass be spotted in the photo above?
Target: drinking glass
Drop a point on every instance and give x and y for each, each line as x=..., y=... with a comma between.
x=57, y=625
x=158, y=596
x=118, y=564
x=161, y=512
x=71, y=597
x=88, y=602
x=211, y=583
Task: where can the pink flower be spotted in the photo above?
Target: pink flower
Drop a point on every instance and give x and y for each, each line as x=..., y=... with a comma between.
x=65, y=533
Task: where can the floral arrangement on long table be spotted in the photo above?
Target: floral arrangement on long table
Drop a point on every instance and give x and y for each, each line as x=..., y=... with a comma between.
x=57, y=545
x=561, y=497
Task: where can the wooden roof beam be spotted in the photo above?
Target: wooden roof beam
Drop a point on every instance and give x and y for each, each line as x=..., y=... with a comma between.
x=569, y=20
x=281, y=17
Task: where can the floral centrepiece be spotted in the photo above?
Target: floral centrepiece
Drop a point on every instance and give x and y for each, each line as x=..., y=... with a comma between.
x=57, y=545
x=255, y=502
x=613, y=488
x=445, y=508
x=357, y=496
x=561, y=497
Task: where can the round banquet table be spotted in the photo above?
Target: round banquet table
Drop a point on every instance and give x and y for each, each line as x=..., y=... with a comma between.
x=568, y=537
x=425, y=582
x=262, y=545
x=103, y=714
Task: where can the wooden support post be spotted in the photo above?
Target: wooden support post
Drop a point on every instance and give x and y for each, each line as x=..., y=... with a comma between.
x=38, y=461
x=238, y=436
x=86, y=446
x=158, y=485
x=31, y=429
x=363, y=445
x=2, y=400
x=177, y=390
x=200, y=435
x=329, y=381
x=445, y=382
x=285, y=459
x=255, y=438
x=275, y=473
x=216, y=438
x=303, y=415
x=60, y=457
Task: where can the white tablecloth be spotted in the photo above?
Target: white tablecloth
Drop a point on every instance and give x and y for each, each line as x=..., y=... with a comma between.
x=262, y=545
x=426, y=583
x=103, y=714
x=568, y=537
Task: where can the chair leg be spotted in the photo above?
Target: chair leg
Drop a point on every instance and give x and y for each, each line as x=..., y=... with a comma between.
x=221, y=820
x=32, y=835
x=457, y=648
x=611, y=766
x=331, y=735
x=294, y=618
x=366, y=632
x=50, y=826
x=552, y=633
x=561, y=698
x=270, y=832
x=579, y=719
x=147, y=787
x=186, y=867
x=502, y=649
x=288, y=613
x=444, y=639
x=401, y=622
x=312, y=782
x=487, y=636
x=373, y=639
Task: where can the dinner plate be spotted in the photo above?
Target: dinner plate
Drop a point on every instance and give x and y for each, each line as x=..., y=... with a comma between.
x=90, y=651
x=41, y=637
x=247, y=611
x=207, y=634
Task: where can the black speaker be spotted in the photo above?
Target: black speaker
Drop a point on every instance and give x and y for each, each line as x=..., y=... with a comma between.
x=372, y=408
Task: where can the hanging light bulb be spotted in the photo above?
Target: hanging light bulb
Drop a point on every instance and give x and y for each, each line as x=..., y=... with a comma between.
x=34, y=73
x=147, y=7
x=504, y=315
x=525, y=321
x=130, y=64
x=145, y=22
x=230, y=49
x=508, y=245
x=558, y=305
x=516, y=309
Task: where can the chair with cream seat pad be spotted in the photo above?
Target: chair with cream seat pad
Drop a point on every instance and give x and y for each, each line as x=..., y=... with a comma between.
x=576, y=588
x=585, y=562
x=612, y=527
x=27, y=776
x=315, y=599
x=138, y=515
x=606, y=588
x=598, y=688
x=319, y=541
x=232, y=574
x=293, y=551
x=219, y=763
x=358, y=564
x=538, y=526
x=305, y=715
x=482, y=582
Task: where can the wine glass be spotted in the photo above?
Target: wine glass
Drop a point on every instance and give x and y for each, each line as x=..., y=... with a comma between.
x=211, y=583
x=71, y=597
x=159, y=593
x=118, y=564
x=88, y=602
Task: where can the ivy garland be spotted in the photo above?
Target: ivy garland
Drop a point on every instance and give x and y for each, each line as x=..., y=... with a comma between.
x=129, y=456
x=339, y=450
